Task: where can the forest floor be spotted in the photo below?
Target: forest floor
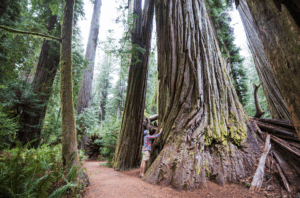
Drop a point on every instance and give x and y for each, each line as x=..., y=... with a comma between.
x=109, y=183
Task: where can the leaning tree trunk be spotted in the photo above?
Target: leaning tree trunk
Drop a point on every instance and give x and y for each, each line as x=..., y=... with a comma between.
x=205, y=134
x=85, y=91
x=278, y=26
x=32, y=118
x=277, y=106
x=68, y=128
x=128, y=148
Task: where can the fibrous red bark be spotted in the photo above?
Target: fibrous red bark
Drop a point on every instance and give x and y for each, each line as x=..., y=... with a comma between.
x=205, y=134
x=127, y=154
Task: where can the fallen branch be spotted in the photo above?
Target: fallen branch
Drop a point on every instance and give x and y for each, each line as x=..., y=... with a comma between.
x=294, y=144
x=153, y=117
x=45, y=36
x=285, y=145
x=285, y=182
x=259, y=174
x=278, y=131
x=282, y=165
x=283, y=123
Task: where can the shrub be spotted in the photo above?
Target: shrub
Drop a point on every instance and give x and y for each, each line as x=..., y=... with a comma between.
x=108, y=138
x=8, y=129
x=35, y=173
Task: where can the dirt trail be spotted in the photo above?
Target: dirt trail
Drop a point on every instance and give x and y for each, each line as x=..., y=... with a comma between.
x=109, y=183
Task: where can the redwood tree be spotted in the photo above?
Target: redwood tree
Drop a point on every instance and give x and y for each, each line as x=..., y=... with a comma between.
x=127, y=154
x=85, y=91
x=206, y=133
x=31, y=118
x=278, y=26
x=68, y=128
x=277, y=106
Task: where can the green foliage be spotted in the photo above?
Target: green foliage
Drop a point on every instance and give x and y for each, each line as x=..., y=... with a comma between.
x=151, y=95
x=219, y=10
x=51, y=131
x=15, y=95
x=253, y=78
x=87, y=120
x=108, y=138
x=35, y=172
x=8, y=129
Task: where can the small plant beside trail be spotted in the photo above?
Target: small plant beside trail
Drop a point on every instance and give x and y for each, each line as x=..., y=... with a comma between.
x=108, y=139
x=36, y=173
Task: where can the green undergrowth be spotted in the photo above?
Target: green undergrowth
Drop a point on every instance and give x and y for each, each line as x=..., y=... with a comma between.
x=36, y=173
x=109, y=134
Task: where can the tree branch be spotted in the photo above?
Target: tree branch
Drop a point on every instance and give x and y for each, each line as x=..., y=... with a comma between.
x=29, y=33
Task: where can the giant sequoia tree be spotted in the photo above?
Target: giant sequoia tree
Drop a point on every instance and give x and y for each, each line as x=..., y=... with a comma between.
x=128, y=148
x=278, y=26
x=206, y=134
x=277, y=106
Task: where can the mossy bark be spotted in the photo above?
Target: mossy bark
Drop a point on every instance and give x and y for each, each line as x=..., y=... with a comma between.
x=278, y=27
x=68, y=128
x=32, y=118
x=85, y=91
x=276, y=103
x=206, y=133
x=128, y=150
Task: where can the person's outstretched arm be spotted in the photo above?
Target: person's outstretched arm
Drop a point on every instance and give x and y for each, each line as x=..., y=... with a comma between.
x=154, y=136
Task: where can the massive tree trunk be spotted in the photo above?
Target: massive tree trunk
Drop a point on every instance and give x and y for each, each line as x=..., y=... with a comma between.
x=206, y=133
x=277, y=106
x=278, y=26
x=68, y=128
x=128, y=149
x=85, y=91
x=31, y=118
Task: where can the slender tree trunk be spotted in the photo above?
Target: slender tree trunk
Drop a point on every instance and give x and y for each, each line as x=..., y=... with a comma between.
x=277, y=106
x=85, y=91
x=104, y=92
x=127, y=154
x=206, y=133
x=278, y=26
x=120, y=97
x=32, y=118
x=68, y=129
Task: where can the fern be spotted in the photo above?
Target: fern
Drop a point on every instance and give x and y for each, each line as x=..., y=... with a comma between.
x=35, y=173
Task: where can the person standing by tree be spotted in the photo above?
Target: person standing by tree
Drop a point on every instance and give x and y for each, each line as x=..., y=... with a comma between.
x=147, y=149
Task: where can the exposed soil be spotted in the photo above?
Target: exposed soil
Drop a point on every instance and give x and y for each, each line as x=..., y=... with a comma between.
x=109, y=183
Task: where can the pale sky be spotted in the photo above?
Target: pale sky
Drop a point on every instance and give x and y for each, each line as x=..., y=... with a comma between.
x=109, y=15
